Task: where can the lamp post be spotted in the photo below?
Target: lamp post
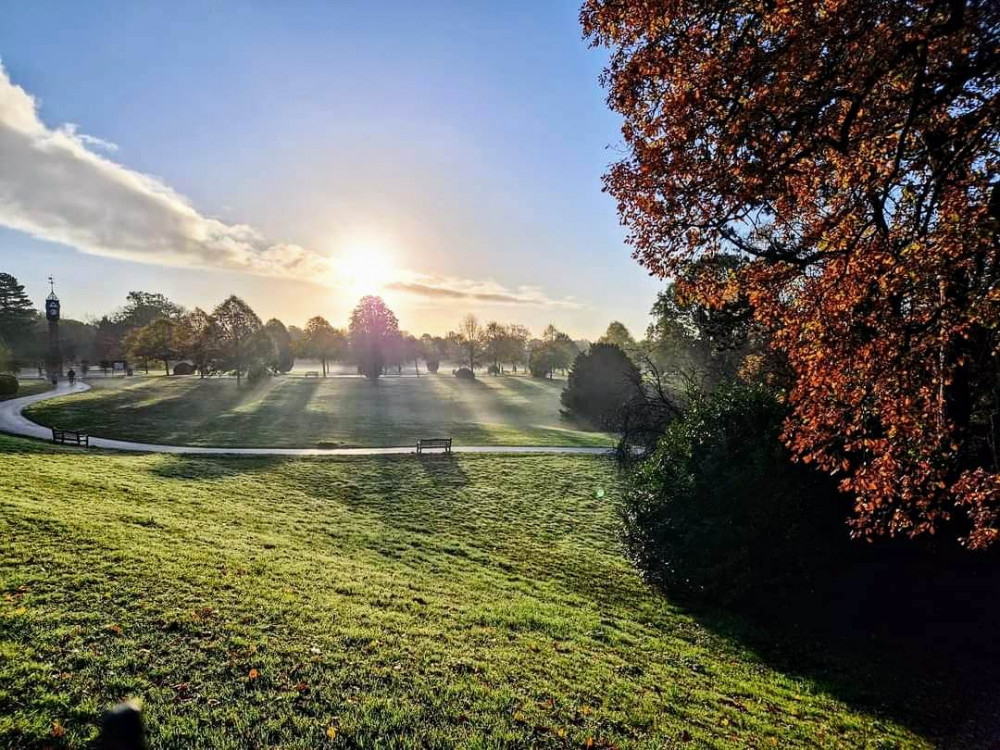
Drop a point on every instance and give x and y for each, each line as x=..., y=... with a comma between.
x=55, y=363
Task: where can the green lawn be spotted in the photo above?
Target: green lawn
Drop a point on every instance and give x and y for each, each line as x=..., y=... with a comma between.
x=475, y=601
x=303, y=412
x=28, y=388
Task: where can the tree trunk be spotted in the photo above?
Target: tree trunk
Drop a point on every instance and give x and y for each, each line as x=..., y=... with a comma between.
x=166, y=366
x=323, y=360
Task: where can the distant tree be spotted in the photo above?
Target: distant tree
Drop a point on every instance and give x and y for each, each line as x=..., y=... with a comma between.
x=239, y=331
x=142, y=308
x=153, y=341
x=284, y=358
x=17, y=315
x=618, y=335
x=297, y=337
x=471, y=336
x=554, y=351
x=603, y=384
x=373, y=329
x=435, y=349
x=495, y=344
x=516, y=346
x=413, y=350
x=323, y=341
x=197, y=339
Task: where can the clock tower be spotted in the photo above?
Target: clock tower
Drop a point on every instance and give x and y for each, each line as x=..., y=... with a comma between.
x=54, y=363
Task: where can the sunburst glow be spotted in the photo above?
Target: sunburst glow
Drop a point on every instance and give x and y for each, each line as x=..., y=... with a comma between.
x=365, y=269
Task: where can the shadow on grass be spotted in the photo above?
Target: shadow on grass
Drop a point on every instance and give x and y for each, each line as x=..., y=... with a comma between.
x=908, y=635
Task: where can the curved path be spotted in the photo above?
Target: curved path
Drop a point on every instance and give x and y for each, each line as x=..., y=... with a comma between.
x=13, y=422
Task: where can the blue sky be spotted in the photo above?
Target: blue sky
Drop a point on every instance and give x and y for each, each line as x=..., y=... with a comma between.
x=446, y=154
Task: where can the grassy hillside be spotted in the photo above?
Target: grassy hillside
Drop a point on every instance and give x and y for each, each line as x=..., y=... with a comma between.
x=477, y=601
x=301, y=412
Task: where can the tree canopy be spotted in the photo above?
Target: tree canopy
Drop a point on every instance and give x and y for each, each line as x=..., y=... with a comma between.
x=373, y=331
x=849, y=151
x=238, y=330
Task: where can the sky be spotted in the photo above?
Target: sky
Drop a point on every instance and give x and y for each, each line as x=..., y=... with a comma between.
x=446, y=155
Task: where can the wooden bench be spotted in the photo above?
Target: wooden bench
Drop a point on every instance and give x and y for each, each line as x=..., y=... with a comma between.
x=424, y=443
x=70, y=436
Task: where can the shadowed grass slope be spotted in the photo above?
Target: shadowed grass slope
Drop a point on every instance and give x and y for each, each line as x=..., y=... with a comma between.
x=476, y=601
x=301, y=412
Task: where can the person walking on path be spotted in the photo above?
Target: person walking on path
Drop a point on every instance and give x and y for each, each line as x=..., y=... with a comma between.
x=72, y=377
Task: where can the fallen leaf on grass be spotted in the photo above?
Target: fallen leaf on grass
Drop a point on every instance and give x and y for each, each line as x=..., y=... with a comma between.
x=331, y=733
x=254, y=674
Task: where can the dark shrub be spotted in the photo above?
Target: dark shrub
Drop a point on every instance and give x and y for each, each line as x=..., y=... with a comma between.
x=492, y=370
x=183, y=368
x=603, y=383
x=465, y=373
x=432, y=365
x=258, y=373
x=718, y=512
x=8, y=385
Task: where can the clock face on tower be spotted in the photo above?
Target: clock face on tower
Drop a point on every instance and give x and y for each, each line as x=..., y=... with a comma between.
x=52, y=309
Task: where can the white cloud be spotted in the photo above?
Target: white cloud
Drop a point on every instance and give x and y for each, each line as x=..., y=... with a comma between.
x=54, y=186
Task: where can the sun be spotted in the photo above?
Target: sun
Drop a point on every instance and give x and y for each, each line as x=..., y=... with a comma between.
x=365, y=269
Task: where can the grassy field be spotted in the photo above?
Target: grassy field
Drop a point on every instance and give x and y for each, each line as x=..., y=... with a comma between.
x=475, y=601
x=304, y=412
x=28, y=388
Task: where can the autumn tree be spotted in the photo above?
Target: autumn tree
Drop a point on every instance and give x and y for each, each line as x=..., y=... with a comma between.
x=373, y=330
x=239, y=334
x=849, y=151
x=323, y=341
x=153, y=341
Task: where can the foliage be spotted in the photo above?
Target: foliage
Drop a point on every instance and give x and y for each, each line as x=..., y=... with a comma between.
x=850, y=152
x=719, y=511
x=435, y=349
x=258, y=372
x=184, y=368
x=700, y=343
x=323, y=341
x=555, y=351
x=142, y=308
x=238, y=331
x=618, y=335
x=504, y=343
x=8, y=385
x=153, y=341
x=284, y=358
x=17, y=314
x=197, y=339
x=373, y=331
x=465, y=373
x=602, y=385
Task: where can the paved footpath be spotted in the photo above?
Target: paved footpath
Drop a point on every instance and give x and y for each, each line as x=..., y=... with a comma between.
x=13, y=422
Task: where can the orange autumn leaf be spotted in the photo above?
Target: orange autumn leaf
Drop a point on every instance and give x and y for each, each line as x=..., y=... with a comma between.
x=58, y=730
x=254, y=674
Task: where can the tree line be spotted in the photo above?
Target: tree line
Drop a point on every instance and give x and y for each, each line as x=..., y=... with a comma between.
x=150, y=329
